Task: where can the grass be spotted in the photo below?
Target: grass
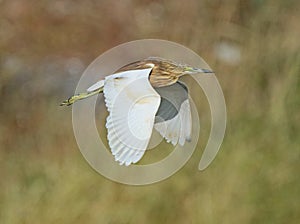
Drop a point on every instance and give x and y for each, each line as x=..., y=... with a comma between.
x=254, y=178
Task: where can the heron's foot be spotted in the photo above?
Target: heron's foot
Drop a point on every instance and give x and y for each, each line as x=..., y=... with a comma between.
x=71, y=100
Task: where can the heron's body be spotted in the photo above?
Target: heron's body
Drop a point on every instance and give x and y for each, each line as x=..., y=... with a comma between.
x=140, y=96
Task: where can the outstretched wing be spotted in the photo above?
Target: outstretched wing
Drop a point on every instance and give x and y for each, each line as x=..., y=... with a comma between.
x=132, y=104
x=173, y=118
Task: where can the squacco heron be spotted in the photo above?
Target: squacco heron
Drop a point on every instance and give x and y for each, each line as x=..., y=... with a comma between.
x=140, y=96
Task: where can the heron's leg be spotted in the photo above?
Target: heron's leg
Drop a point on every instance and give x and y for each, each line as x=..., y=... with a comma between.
x=80, y=96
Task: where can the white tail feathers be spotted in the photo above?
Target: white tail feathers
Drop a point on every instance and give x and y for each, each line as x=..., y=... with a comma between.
x=96, y=86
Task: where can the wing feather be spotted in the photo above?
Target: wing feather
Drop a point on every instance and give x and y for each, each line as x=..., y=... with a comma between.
x=132, y=104
x=177, y=129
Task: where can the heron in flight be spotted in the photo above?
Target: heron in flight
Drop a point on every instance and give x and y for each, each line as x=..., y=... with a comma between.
x=140, y=96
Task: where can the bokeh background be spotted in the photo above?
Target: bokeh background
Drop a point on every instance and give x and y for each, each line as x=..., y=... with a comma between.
x=253, y=45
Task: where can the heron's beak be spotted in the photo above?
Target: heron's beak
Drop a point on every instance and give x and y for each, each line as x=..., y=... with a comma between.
x=207, y=70
x=191, y=71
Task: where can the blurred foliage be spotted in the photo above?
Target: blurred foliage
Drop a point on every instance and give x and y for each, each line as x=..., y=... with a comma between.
x=253, y=45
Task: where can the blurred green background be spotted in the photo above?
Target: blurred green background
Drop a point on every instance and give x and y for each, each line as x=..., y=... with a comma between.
x=253, y=45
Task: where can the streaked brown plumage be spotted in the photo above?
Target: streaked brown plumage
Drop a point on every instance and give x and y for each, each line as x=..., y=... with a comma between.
x=164, y=72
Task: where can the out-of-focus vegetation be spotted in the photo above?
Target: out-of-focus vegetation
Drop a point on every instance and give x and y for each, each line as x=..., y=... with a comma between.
x=253, y=45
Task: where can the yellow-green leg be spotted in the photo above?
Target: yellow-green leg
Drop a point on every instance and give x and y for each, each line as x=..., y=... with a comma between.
x=80, y=96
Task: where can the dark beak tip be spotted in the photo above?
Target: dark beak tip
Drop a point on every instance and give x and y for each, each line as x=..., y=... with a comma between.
x=207, y=71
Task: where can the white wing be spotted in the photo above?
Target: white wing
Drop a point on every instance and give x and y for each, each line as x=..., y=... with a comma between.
x=132, y=104
x=177, y=129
